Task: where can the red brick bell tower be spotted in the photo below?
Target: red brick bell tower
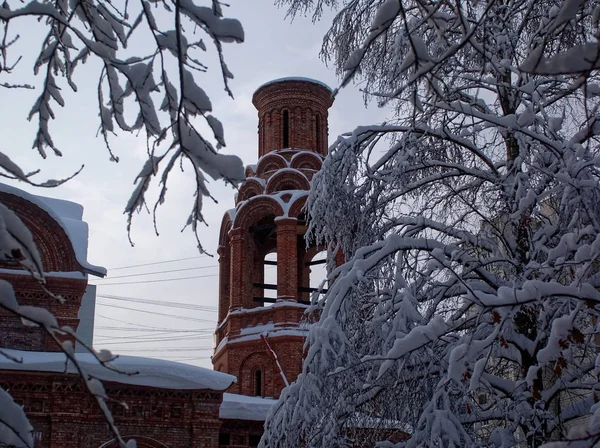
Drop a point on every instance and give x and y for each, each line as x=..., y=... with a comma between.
x=268, y=218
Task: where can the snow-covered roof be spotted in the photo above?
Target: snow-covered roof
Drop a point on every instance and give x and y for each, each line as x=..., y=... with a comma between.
x=151, y=372
x=69, y=216
x=294, y=78
x=241, y=407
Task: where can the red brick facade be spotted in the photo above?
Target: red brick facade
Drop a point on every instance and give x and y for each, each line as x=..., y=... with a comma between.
x=64, y=415
x=269, y=218
x=62, y=412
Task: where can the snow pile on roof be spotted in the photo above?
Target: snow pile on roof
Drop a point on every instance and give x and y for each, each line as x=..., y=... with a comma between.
x=151, y=372
x=241, y=407
x=294, y=78
x=69, y=216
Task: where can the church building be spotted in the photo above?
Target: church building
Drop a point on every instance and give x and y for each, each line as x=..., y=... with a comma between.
x=261, y=326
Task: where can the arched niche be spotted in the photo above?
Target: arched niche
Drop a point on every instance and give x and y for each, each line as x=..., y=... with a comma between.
x=257, y=361
x=250, y=188
x=288, y=179
x=307, y=161
x=296, y=209
x=255, y=209
x=53, y=244
x=270, y=162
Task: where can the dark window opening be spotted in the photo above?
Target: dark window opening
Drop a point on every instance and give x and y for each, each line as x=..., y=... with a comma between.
x=258, y=383
x=253, y=440
x=224, y=438
x=318, y=135
x=137, y=411
x=286, y=129
x=176, y=412
x=157, y=411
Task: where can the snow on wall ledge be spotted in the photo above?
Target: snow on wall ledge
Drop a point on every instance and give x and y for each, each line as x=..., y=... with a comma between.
x=242, y=407
x=69, y=216
x=151, y=372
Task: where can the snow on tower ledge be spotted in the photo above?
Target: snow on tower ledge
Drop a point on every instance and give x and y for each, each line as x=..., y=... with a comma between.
x=294, y=78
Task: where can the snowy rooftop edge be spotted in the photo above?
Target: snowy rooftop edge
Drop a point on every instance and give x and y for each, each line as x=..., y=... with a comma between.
x=75, y=228
x=152, y=372
x=242, y=407
x=293, y=78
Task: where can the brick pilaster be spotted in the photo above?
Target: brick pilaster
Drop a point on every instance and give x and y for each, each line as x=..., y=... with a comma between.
x=287, y=259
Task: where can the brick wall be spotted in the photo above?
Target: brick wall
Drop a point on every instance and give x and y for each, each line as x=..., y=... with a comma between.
x=64, y=415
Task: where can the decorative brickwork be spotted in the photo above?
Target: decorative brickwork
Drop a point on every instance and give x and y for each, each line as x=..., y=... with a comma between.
x=292, y=113
x=66, y=416
x=57, y=255
x=268, y=218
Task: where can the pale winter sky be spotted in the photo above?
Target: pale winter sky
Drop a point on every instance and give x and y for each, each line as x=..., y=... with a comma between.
x=274, y=48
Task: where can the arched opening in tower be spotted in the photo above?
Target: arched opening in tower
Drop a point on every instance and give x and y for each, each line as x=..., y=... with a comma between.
x=286, y=129
x=318, y=271
x=270, y=276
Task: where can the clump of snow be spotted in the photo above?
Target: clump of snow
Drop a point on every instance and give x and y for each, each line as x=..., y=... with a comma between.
x=142, y=371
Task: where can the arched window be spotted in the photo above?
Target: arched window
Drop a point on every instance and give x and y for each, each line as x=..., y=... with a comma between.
x=318, y=132
x=258, y=383
x=286, y=129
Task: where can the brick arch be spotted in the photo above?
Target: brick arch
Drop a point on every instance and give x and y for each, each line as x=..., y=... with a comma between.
x=248, y=367
x=226, y=225
x=283, y=180
x=54, y=246
x=250, y=171
x=142, y=442
x=297, y=207
x=270, y=162
x=251, y=187
x=306, y=160
x=255, y=209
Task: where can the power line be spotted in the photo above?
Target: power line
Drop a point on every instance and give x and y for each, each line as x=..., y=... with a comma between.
x=156, y=281
x=183, y=305
x=170, y=349
x=153, y=330
x=156, y=262
x=120, y=341
x=157, y=314
x=134, y=323
x=160, y=272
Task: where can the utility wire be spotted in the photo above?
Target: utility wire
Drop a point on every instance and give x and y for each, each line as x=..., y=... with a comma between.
x=156, y=262
x=179, y=338
x=156, y=281
x=157, y=314
x=153, y=330
x=188, y=306
x=160, y=272
x=169, y=349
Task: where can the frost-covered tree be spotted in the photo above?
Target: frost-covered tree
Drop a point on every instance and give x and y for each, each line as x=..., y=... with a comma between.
x=152, y=89
x=150, y=56
x=467, y=311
